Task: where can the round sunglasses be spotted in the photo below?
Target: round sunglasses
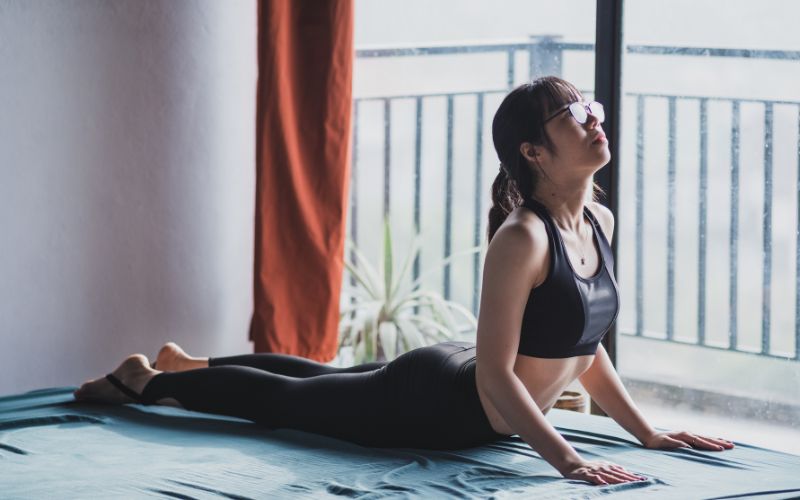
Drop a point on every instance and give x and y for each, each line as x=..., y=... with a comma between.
x=580, y=111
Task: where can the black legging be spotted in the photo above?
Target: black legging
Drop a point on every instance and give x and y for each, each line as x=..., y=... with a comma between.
x=425, y=398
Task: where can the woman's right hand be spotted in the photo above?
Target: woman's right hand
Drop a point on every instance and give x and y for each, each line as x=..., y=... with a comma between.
x=600, y=472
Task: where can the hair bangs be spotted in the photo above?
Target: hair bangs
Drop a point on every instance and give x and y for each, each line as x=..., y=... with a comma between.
x=557, y=93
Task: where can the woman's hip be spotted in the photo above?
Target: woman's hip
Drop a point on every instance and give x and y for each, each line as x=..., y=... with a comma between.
x=425, y=380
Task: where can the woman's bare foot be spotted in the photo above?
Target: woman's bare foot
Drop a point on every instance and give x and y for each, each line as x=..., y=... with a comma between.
x=134, y=372
x=171, y=358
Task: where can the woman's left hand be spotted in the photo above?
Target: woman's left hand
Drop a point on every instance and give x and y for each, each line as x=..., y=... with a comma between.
x=683, y=439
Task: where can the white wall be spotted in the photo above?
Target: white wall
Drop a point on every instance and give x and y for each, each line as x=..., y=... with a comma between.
x=127, y=148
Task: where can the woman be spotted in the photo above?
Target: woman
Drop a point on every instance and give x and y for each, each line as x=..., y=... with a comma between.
x=548, y=297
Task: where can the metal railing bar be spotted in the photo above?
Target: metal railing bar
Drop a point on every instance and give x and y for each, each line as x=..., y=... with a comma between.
x=477, y=48
x=701, y=236
x=671, y=155
x=387, y=154
x=510, y=77
x=354, y=191
x=797, y=252
x=789, y=55
x=639, y=215
x=448, y=217
x=367, y=52
x=586, y=92
x=734, y=229
x=476, y=239
x=767, y=243
x=417, y=177
x=713, y=98
x=434, y=94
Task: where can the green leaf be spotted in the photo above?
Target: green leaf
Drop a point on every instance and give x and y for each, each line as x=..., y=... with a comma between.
x=416, y=244
x=440, y=311
x=351, y=331
x=363, y=279
x=411, y=333
x=371, y=338
x=369, y=274
x=466, y=313
x=360, y=306
x=388, y=337
x=402, y=335
x=406, y=304
x=359, y=352
x=432, y=324
x=355, y=291
x=403, y=303
x=387, y=259
x=443, y=263
x=369, y=353
x=374, y=340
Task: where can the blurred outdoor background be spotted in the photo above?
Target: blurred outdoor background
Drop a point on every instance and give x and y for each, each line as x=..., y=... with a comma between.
x=707, y=224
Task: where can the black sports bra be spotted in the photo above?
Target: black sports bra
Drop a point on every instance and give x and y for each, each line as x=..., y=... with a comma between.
x=567, y=315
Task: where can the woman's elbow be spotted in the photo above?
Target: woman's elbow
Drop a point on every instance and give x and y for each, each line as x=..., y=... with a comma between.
x=488, y=377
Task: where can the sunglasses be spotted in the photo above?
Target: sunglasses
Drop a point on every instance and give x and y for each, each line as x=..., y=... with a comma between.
x=580, y=112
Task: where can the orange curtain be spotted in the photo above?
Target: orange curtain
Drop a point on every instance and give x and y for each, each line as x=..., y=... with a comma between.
x=305, y=58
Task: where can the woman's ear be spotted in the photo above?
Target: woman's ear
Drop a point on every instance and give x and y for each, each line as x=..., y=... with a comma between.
x=530, y=152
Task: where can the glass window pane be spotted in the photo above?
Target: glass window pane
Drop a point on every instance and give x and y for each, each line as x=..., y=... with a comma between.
x=707, y=228
x=428, y=78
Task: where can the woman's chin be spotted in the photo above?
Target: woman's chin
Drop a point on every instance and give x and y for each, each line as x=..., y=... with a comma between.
x=605, y=157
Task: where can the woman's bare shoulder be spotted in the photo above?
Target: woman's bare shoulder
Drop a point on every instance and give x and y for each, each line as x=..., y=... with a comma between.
x=521, y=242
x=513, y=266
x=528, y=219
x=605, y=217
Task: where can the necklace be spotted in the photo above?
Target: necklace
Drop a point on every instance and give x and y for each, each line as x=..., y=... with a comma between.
x=580, y=239
x=583, y=247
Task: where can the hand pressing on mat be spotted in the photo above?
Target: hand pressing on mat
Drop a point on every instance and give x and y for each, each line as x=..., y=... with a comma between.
x=683, y=439
x=600, y=472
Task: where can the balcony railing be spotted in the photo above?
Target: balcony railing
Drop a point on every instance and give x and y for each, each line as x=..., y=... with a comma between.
x=545, y=56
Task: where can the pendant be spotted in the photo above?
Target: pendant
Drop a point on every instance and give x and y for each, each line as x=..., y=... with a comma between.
x=582, y=262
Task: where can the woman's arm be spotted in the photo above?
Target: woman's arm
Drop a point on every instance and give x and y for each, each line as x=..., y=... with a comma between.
x=601, y=379
x=509, y=271
x=606, y=389
x=513, y=263
x=518, y=409
x=604, y=386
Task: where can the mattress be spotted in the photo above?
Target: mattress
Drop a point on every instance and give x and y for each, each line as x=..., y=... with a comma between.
x=54, y=447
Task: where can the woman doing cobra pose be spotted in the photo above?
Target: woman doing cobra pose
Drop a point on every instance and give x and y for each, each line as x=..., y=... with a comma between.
x=548, y=297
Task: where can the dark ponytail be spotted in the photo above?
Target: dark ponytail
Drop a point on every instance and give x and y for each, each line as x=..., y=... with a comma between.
x=520, y=118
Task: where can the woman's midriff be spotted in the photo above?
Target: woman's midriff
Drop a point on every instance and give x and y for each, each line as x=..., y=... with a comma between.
x=544, y=378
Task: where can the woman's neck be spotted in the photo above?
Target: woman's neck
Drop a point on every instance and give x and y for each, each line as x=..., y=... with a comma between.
x=565, y=204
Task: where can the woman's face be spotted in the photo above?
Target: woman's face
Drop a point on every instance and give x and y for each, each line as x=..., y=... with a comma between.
x=578, y=147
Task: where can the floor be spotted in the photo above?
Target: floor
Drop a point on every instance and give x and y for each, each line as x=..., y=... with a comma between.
x=775, y=437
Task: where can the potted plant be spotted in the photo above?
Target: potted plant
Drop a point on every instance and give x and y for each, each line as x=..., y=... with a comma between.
x=389, y=316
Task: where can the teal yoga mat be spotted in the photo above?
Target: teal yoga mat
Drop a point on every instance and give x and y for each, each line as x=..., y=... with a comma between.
x=54, y=447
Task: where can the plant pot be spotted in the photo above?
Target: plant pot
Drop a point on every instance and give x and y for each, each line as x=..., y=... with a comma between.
x=571, y=400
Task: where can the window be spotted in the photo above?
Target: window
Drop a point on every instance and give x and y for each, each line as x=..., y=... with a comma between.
x=427, y=80
x=707, y=229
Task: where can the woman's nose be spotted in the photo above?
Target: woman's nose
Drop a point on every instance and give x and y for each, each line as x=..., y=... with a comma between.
x=592, y=121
